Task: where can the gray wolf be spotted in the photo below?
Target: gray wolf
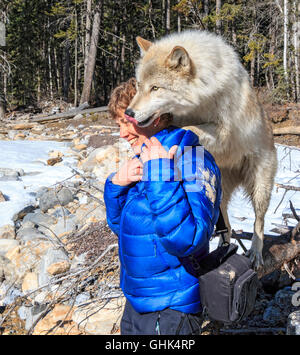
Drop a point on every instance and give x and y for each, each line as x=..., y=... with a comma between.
x=198, y=78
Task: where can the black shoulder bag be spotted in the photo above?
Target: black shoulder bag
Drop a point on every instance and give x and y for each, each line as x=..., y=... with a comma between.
x=228, y=284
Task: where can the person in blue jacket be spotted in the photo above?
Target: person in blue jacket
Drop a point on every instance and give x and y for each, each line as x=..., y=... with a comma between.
x=163, y=205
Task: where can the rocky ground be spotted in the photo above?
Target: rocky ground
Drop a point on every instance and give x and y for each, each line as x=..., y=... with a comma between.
x=59, y=264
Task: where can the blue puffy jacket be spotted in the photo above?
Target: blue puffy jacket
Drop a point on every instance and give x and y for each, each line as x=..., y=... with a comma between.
x=163, y=219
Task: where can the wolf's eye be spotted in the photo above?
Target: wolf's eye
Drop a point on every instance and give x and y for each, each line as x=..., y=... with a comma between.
x=154, y=88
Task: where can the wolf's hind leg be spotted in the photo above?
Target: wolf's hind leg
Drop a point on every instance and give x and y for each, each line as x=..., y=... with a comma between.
x=260, y=190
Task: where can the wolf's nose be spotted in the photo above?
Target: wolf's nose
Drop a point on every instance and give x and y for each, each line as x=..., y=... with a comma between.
x=129, y=112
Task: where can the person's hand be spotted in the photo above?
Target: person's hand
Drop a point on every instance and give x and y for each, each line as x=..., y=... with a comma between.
x=154, y=150
x=131, y=171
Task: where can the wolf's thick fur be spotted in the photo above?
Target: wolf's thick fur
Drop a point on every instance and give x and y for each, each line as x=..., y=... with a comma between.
x=199, y=79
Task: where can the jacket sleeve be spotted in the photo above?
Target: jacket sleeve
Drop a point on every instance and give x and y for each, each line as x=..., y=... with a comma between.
x=185, y=208
x=114, y=198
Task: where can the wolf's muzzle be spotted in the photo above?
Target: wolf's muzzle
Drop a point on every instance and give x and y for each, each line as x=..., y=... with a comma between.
x=130, y=112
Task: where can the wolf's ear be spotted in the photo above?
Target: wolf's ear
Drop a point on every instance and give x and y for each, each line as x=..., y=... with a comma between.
x=143, y=44
x=179, y=59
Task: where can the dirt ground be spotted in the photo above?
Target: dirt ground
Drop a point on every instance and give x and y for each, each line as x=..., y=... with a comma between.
x=284, y=116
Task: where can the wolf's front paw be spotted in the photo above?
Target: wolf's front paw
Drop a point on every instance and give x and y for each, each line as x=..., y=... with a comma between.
x=256, y=258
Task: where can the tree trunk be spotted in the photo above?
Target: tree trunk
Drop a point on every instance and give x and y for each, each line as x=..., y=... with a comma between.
x=87, y=34
x=2, y=107
x=178, y=20
x=150, y=19
x=50, y=71
x=218, y=13
x=163, y=13
x=285, y=38
x=67, y=72
x=168, y=16
x=206, y=7
x=296, y=36
x=86, y=92
x=38, y=86
x=76, y=61
x=252, y=70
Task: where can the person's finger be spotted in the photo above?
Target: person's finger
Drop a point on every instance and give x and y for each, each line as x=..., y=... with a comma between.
x=172, y=151
x=135, y=178
x=137, y=171
x=155, y=141
x=147, y=142
x=136, y=164
x=155, y=152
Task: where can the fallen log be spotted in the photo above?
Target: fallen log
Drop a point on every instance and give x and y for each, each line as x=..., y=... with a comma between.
x=69, y=114
x=277, y=250
x=280, y=250
x=286, y=130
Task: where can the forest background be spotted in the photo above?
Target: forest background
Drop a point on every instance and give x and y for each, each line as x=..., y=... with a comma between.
x=79, y=50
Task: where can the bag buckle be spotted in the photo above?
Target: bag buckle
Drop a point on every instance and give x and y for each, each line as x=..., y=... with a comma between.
x=222, y=232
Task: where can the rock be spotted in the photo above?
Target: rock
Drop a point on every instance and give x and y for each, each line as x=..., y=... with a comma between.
x=33, y=313
x=60, y=212
x=105, y=160
x=80, y=147
x=27, y=258
x=276, y=280
x=11, y=134
x=2, y=198
x=30, y=282
x=39, y=218
x=54, y=154
x=52, y=256
x=7, y=269
x=23, y=212
x=280, y=307
x=24, y=126
x=8, y=294
x=78, y=117
x=283, y=298
x=97, y=319
x=54, y=161
x=272, y=315
x=60, y=313
x=27, y=234
x=41, y=191
x=82, y=298
x=59, y=268
x=98, y=156
x=63, y=227
x=7, y=232
x=19, y=136
x=52, y=198
x=11, y=172
x=293, y=324
x=7, y=244
x=24, y=312
x=41, y=297
x=92, y=211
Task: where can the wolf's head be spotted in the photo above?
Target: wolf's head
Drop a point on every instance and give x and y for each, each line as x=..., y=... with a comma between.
x=162, y=75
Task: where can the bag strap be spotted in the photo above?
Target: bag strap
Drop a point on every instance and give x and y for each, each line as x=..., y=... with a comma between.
x=221, y=226
x=220, y=229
